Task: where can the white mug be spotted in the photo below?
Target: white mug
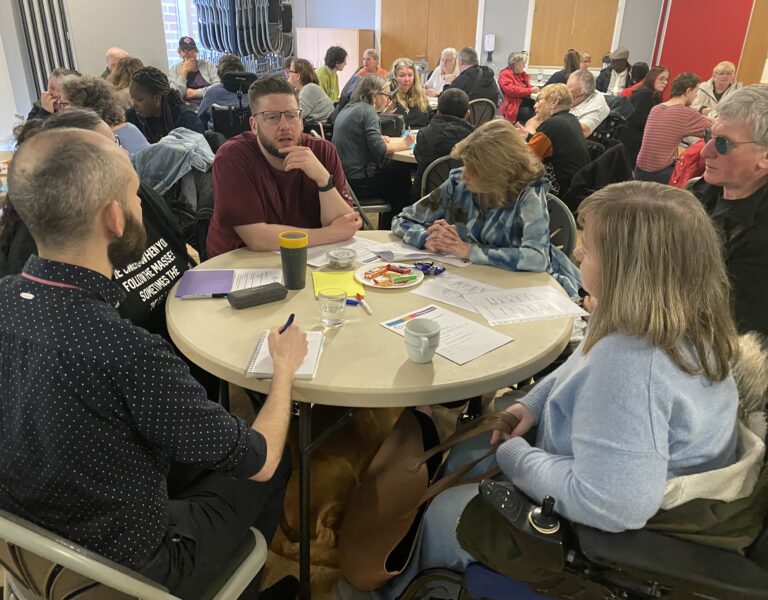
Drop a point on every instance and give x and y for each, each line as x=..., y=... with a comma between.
x=422, y=337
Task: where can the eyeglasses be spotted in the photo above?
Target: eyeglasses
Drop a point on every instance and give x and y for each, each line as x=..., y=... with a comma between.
x=294, y=72
x=272, y=117
x=402, y=63
x=722, y=144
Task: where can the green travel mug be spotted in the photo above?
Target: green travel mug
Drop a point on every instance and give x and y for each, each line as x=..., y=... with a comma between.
x=293, y=254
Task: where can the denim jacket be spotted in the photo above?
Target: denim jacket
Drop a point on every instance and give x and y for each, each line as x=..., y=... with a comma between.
x=515, y=237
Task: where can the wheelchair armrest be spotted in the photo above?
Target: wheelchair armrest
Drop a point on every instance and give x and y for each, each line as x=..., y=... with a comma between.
x=675, y=562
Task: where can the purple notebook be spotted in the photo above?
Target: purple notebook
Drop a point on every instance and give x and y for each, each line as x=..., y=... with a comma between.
x=205, y=283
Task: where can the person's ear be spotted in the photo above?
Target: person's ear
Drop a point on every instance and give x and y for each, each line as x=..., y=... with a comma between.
x=466, y=115
x=763, y=161
x=252, y=123
x=113, y=218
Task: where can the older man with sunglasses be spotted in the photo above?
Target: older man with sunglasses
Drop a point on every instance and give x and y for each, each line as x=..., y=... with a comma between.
x=275, y=177
x=734, y=190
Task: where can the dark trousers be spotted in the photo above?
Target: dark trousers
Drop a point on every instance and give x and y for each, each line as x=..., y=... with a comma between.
x=209, y=521
x=660, y=176
x=392, y=184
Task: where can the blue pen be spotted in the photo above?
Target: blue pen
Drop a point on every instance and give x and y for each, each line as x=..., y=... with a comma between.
x=352, y=302
x=288, y=323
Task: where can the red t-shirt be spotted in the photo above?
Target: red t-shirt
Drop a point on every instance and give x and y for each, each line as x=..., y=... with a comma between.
x=248, y=190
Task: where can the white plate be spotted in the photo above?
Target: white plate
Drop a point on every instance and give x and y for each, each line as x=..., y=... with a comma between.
x=360, y=276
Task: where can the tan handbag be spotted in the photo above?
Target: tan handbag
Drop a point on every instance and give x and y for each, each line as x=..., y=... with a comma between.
x=380, y=527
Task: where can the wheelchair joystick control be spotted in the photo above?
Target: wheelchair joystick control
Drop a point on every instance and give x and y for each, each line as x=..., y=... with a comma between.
x=544, y=520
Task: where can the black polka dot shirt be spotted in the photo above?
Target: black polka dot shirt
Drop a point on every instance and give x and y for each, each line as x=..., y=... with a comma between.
x=92, y=412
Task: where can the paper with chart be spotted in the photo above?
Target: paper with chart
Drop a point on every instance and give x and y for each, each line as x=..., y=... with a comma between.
x=453, y=289
x=364, y=248
x=524, y=304
x=397, y=251
x=461, y=340
x=249, y=278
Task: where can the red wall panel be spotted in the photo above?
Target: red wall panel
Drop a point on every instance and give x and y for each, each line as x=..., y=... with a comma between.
x=701, y=33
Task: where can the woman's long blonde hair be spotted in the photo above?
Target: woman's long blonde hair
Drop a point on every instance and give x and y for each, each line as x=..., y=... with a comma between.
x=123, y=71
x=662, y=275
x=496, y=156
x=415, y=96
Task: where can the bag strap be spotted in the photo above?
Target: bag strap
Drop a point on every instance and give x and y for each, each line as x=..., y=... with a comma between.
x=455, y=478
x=499, y=420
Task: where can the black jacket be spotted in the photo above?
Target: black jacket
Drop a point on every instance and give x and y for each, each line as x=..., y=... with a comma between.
x=38, y=112
x=743, y=227
x=478, y=82
x=604, y=80
x=643, y=100
x=612, y=166
x=435, y=141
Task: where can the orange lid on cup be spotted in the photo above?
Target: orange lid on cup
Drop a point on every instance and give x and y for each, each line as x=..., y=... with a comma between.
x=293, y=239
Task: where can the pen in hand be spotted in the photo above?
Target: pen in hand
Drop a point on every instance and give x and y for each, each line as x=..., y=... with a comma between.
x=288, y=323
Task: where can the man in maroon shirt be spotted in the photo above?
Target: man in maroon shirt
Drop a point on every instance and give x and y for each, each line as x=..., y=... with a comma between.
x=274, y=178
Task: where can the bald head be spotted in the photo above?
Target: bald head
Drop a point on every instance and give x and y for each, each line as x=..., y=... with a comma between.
x=113, y=55
x=60, y=179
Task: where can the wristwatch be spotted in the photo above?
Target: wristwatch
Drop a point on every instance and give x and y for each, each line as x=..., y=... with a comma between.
x=327, y=186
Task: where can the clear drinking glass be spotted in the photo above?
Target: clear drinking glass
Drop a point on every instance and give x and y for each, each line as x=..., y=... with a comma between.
x=332, y=305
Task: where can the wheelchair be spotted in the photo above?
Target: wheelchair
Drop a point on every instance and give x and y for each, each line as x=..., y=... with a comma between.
x=587, y=564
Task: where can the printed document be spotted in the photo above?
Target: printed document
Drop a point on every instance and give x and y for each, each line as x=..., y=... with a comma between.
x=524, y=304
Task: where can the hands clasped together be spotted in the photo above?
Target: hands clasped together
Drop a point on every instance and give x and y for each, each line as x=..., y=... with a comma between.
x=444, y=238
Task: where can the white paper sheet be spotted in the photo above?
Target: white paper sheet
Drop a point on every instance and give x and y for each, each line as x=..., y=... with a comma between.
x=248, y=278
x=461, y=340
x=524, y=304
x=397, y=251
x=452, y=289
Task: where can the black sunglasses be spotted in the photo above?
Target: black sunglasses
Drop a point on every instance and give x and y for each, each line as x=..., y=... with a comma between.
x=722, y=144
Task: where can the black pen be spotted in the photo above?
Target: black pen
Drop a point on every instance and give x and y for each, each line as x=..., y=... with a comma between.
x=288, y=323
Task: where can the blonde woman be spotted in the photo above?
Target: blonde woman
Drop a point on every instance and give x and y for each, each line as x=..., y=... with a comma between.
x=710, y=92
x=493, y=211
x=555, y=135
x=408, y=98
x=646, y=397
x=444, y=74
x=120, y=78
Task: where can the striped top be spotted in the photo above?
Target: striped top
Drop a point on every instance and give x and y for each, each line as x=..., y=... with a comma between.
x=664, y=131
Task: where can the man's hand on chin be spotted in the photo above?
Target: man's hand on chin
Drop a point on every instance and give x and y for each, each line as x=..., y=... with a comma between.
x=302, y=158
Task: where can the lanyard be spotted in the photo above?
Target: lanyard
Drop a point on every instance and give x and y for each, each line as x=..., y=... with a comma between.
x=52, y=283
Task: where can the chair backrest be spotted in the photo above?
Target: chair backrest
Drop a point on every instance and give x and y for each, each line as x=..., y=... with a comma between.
x=46, y=565
x=437, y=172
x=481, y=110
x=562, y=225
x=371, y=206
x=229, y=120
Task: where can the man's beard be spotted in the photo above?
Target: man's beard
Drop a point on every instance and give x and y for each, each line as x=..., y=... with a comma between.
x=269, y=145
x=129, y=248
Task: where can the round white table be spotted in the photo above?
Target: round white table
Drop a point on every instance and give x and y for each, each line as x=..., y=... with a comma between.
x=362, y=363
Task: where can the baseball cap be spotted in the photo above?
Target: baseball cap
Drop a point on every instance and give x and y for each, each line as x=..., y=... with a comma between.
x=620, y=54
x=187, y=43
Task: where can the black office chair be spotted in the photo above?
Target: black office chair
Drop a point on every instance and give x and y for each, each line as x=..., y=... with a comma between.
x=437, y=173
x=481, y=110
x=232, y=121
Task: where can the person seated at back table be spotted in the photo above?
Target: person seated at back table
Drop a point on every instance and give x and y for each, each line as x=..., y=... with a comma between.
x=328, y=73
x=364, y=150
x=49, y=99
x=646, y=397
x=219, y=95
x=516, y=86
x=408, y=98
x=157, y=478
x=121, y=76
x=448, y=127
x=445, y=72
x=668, y=124
x=734, y=191
x=111, y=58
x=477, y=81
x=314, y=104
x=192, y=76
x=94, y=93
x=371, y=64
x=558, y=141
x=639, y=72
x=570, y=64
x=588, y=106
x=720, y=86
x=644, y=98
x=493, y=211
x=275, y=177
x=617, y=75
x=157, y=107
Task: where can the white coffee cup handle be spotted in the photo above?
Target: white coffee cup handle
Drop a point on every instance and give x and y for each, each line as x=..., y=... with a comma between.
x=424, y=345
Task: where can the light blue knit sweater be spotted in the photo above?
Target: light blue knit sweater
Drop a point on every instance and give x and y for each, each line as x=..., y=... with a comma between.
x=614, y=426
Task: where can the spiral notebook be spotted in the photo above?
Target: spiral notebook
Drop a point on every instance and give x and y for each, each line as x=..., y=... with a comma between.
x=260, y=364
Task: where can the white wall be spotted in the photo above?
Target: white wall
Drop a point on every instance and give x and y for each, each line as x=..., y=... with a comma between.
x=335, y=14
x=7, y=101
x=135, y=25
x=639, y=27
x=15, y=83
x=507, y=20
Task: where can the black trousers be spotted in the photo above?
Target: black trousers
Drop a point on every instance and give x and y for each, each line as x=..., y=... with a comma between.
x=209, y=520
x=392, y=184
